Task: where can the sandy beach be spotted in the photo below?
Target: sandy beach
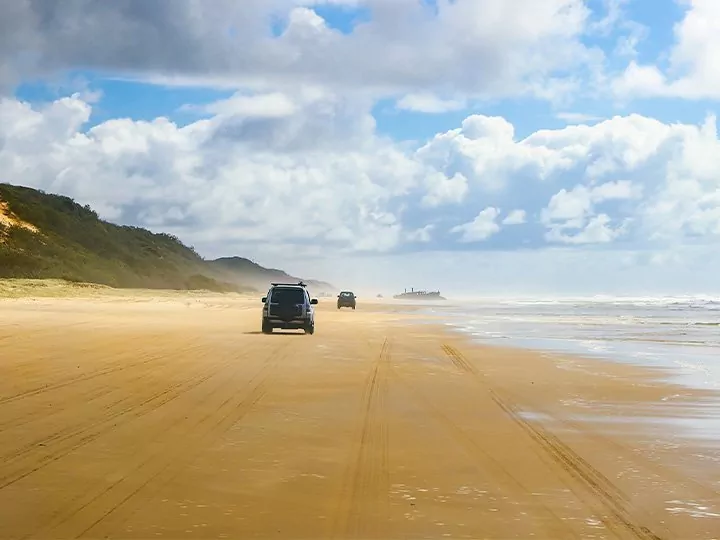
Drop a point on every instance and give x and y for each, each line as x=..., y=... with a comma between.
x=143, y=415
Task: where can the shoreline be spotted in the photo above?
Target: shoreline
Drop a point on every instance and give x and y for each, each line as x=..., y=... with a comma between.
x=59, y=290
x=691, y=408
x=680, y=338
x=396, y=312
x=461, y=439
x=674, y=394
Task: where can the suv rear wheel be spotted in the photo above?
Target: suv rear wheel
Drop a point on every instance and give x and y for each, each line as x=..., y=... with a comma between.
x=266, y=328
x=310, y=328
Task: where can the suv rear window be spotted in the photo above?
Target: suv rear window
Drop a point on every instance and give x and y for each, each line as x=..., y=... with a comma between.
x=287, y=296
x=346, y=294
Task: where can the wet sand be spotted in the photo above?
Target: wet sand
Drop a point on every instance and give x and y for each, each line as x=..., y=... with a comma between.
x=173, y=417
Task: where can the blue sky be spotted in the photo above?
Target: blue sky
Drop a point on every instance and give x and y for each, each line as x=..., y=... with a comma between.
x=140, y=100
x=385, y=129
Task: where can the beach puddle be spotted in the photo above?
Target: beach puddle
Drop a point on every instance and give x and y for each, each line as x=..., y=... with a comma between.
x=698, y=510
x=697, y=422
x=677, y=335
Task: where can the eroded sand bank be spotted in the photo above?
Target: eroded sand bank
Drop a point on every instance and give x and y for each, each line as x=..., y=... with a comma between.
x=151, y=416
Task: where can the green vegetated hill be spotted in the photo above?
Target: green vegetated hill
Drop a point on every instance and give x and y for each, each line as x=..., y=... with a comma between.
x=52, y=236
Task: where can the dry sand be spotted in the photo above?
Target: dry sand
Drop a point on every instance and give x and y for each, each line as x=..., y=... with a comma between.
x=170, y=416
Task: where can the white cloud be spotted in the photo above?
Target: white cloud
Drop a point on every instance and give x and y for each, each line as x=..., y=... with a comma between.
x=218, y=181
x=621, y=189
x=597, y=230
x=617, y=24
x=692, y=60
x=270, y=105
x=577, y=118
x=641, y=81
x=443, y=190
x=579, y=202
x=575, y=210
x=516, y=217
x=478, y=49
x=481, y=228
x=627, y=45
x=424, y=234
x=614, y=16
x=320, y=178
x=483, y=151
x=428, y=103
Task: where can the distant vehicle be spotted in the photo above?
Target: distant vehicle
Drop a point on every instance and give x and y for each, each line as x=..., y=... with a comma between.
x=288, y=306
x=346, y=299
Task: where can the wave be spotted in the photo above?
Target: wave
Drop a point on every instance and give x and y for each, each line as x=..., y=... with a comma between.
x=698, y=301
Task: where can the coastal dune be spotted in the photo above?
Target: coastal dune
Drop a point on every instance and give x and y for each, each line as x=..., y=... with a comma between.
x=171, y=416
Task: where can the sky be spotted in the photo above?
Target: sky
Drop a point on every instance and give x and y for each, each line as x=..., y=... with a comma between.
x=522, y=147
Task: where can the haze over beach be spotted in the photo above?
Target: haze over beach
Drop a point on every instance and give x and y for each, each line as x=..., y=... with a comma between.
x=550, y=167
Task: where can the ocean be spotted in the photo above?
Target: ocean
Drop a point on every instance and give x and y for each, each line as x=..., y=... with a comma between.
x=678, y=335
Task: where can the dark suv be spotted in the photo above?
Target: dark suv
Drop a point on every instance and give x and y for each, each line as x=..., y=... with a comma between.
x=346, y=299
x=288, y=306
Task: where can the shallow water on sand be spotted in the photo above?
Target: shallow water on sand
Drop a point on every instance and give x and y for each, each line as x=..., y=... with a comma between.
x=680, y=336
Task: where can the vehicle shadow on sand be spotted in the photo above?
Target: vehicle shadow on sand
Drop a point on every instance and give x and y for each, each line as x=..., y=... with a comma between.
x=275, y=333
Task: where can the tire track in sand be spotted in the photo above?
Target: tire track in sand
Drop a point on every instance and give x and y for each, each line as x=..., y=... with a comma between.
x=459, y=360
x=364, y=495
x=487, y=466
x=617, y=515
x=45, y=367
x=32, y=457
x=99, y=391
x=102, y=512
x=118, y=366
x=672, y=475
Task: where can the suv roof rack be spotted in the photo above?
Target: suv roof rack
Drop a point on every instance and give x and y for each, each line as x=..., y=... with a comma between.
x=298, y=284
